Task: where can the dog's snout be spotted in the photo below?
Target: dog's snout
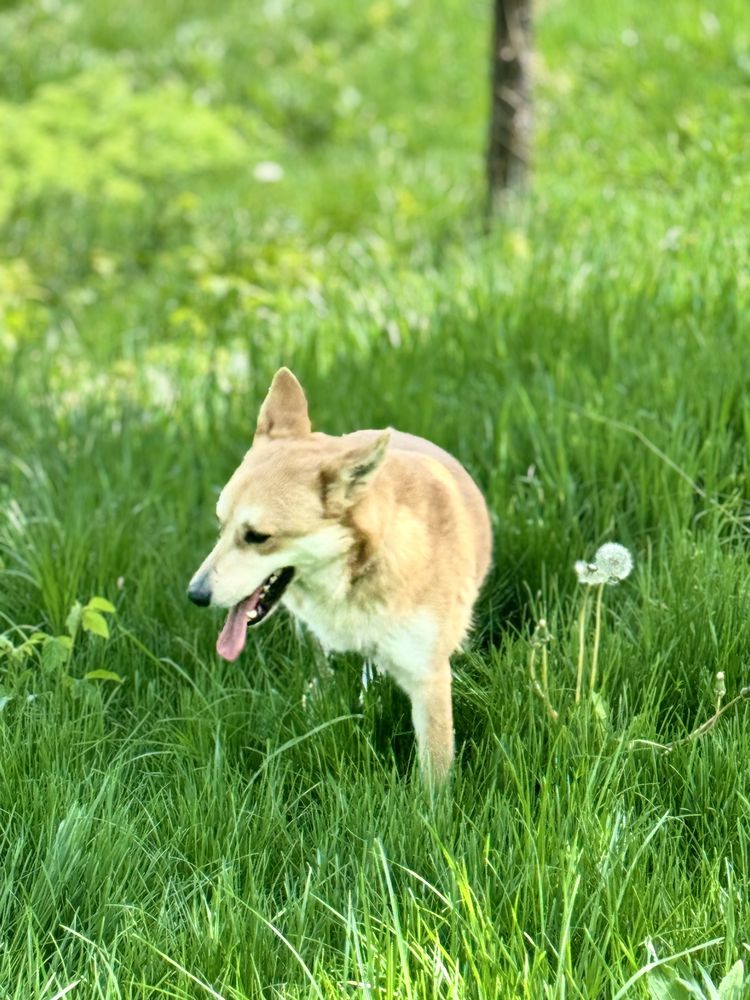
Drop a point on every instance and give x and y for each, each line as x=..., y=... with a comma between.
x=199, y=591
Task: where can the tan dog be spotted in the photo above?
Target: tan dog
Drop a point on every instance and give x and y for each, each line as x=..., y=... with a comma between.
x=378, y=541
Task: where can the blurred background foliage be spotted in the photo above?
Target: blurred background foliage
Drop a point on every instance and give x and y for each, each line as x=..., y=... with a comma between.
x=137, y=210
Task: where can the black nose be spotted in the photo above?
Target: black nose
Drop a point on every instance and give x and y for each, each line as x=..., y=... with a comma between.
x=199, y=592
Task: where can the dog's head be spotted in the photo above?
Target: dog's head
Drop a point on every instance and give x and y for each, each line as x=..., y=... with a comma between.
x=284, y=513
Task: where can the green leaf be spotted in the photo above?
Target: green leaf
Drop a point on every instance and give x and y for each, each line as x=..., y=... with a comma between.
x=709, y=991
x=601, y=708
x=663, y=984
x=103, y=675
x=732, y=985
x=56, y=651
x=696, y=991
x=94, y=622
x=35, y=639
x=74, y=618
x=101, y=604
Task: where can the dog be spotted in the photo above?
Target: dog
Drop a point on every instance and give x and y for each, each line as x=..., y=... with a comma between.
x=377, y=540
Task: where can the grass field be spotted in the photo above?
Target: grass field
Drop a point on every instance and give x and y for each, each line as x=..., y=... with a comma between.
x=192, y=828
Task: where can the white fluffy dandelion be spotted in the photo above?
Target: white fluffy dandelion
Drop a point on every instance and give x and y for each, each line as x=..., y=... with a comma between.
x=612, y=563
x=615, y=561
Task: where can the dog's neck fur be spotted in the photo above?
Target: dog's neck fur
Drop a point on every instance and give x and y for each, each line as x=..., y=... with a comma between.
x=343, y=574
x=339, y=598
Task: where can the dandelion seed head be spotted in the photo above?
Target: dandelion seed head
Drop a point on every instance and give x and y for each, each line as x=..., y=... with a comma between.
x=615, y=561
x=611, y=564
x=720, y=687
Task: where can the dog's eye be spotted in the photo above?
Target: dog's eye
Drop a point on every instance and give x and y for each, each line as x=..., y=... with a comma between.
x=255, y=537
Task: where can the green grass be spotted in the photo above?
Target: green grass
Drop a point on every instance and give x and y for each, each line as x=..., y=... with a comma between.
x=251, y=830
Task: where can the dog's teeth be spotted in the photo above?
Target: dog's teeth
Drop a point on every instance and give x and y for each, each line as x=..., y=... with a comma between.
x=273, y=577
x=252, y=614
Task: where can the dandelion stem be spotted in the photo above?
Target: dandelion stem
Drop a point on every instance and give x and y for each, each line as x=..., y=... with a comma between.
x=541, y=638
x=696, y=733
x=581, y=645
x=597, y=637
x=710, y=723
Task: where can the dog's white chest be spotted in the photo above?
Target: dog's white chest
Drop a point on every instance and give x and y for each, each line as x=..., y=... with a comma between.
x=403, y=648
x=337, y=625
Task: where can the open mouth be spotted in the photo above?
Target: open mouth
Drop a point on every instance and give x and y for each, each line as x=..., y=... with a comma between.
x=250, y=611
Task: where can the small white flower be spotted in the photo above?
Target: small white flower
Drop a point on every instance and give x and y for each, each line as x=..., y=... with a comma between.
x=611, y=564
x=671, y=239
x=268, y=172
x=710, y=23
x=615, y=561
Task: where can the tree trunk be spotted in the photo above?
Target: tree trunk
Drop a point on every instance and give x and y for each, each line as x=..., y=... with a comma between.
x=508, y=145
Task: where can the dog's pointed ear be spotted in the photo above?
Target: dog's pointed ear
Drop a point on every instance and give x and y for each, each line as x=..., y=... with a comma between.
x=284, y=410
x=345, y=481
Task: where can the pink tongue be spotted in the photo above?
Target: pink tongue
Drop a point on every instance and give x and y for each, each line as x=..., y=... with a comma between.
x=232, y=637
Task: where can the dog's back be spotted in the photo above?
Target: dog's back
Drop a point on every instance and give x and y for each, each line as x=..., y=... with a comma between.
x=414, y=450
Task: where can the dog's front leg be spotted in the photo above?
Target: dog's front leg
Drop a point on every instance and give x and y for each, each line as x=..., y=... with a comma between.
x=432, y=715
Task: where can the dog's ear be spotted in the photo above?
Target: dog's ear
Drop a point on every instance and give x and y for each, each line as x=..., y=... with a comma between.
x=284, y=410
x=347, y=479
